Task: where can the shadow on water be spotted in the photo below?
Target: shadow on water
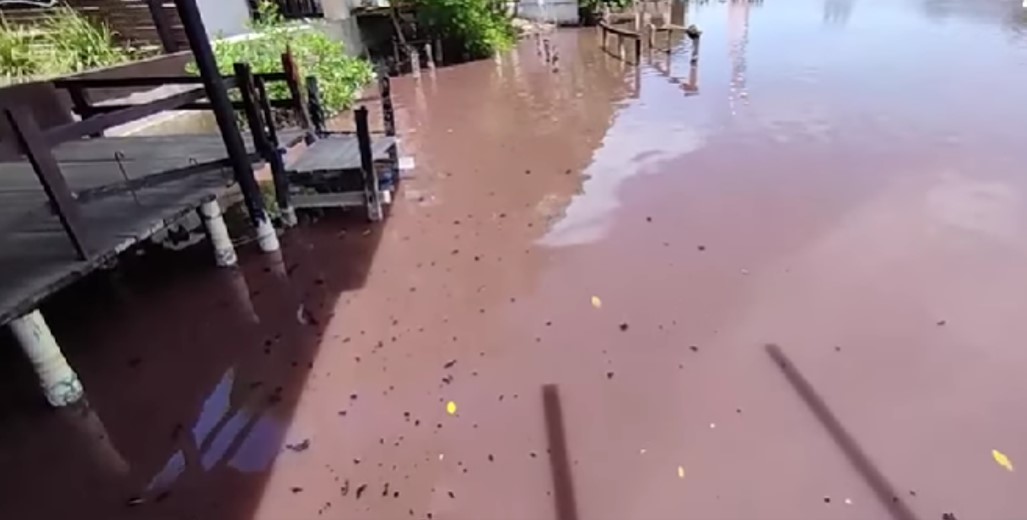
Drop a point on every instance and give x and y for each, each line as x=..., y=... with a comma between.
x=192, y=375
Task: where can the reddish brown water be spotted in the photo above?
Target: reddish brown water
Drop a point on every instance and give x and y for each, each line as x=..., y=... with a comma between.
x=844, y=179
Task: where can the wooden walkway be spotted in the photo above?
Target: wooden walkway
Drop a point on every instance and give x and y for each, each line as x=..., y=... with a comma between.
x=128, y=188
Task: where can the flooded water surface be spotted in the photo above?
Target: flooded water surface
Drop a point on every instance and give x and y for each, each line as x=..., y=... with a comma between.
x=842, y=179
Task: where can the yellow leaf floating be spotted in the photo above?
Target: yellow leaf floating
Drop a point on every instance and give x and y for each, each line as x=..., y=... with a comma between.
x=1002, y=459
x=451, y=408
x=681, y=472
x=596, y=302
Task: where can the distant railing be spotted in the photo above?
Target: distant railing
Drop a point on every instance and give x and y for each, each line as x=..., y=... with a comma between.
x=294, y=9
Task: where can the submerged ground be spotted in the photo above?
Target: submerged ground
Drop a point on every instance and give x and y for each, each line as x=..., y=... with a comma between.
x=845, y=179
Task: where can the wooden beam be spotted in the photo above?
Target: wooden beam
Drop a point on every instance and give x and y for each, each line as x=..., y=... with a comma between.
x=34, y=144
x=99, y=123
x=292, y=79
x=192, y=24
x=163, y=25
x=261, y=141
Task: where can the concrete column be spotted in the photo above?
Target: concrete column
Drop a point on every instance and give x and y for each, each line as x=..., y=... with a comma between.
x=214, y=221
x=60, y=385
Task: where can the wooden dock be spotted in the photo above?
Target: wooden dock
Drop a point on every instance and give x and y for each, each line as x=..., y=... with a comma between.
x=127, y=189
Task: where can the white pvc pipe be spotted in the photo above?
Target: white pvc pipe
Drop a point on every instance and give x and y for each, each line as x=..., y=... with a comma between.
x=289, y=216
x=214, y=221
x=266, y=236
x=60, y=385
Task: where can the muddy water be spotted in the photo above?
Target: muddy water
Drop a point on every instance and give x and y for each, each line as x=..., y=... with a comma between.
x=842, y=179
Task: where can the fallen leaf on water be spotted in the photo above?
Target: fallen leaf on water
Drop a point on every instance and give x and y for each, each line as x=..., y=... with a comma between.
x=596, y=302
x=681, y=472
x=1002, y=459
x=451, y=408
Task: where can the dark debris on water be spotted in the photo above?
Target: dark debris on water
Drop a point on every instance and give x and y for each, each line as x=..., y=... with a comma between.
x=298, y=447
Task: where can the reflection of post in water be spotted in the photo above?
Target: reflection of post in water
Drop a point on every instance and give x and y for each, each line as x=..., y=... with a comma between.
x=92, y=435
x=691, y=87
x=241, y=300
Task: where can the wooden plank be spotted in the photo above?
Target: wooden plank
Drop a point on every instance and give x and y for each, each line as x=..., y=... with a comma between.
x=102, y=122
x=37, y=261
x=339, y=152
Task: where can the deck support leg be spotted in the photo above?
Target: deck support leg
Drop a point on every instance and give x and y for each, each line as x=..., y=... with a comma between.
x=267, y=237
x=214, y=222
x=372, y=189
x=60, y=385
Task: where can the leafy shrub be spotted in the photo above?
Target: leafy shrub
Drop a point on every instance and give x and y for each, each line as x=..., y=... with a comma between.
x=339, y=76
x=79, y=43
x=16, y=58
x=482, y=26
x=64, y=42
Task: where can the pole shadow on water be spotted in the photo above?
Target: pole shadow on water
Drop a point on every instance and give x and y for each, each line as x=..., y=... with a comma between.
x=192, y=375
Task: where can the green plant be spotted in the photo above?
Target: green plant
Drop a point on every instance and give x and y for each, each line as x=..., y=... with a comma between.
x=482, y=26
x=16, y=57
x=79, y=43
x=596, y=6
x=339, y=75
x=63, y=42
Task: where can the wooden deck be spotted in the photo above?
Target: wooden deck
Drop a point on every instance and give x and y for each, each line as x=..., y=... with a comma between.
x=154, y=181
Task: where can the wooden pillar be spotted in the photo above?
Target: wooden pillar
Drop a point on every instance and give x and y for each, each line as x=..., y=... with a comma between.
x=195, y=32
x=162, y=23
x=59, y=382
x=372, y=193
x=270, y=153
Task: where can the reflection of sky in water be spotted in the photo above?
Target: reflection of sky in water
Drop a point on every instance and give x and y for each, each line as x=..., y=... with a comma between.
x=221, y=427
x=873, y=76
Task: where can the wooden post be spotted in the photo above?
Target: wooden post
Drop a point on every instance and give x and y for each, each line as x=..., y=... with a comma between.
x=163, y=25
x=59, y=382
x=389, y=122
x=195, y=32
x=292, y=79
x=372, y=193
x=314, y=106
x=695, y=35
x=415, y=61
x=271, y=154
x=217, y=231
x=31, y=141
x=265, y=107
x=638, y=49
x=429, y=55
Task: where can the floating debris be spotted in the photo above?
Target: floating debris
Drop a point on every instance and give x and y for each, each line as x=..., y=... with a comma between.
x=451, y=495
x=596, y=302
x=442, y=456
x=701, y=247
x=848, y=501
x=623, y=326
x=360, y=490
x=296, y=489
x=641, y=451
x=1002, y=460
x=449, y=364
x=345, y=488
x=298, y=447
x=681, y=472
x=609, y=375
x=693, y=348
x=941, y=323
x=827, y=500
x=451, y=408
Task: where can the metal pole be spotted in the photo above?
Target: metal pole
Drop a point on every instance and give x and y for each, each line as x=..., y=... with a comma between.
x=196, y=34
